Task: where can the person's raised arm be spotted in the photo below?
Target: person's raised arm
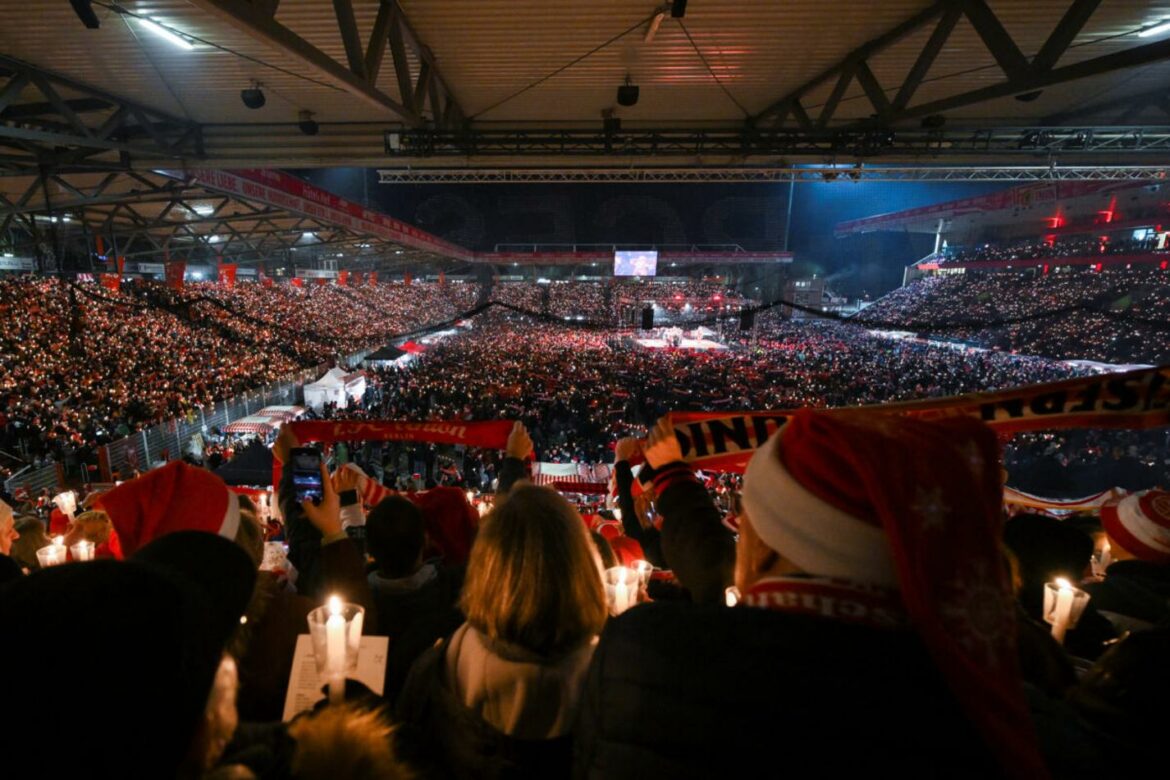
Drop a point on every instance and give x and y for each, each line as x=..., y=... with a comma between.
x=695, y=543
x=648, y=538
x=342, y=566
x=516, y=453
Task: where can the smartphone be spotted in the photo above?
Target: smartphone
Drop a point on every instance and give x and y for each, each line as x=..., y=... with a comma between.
x=306, y=468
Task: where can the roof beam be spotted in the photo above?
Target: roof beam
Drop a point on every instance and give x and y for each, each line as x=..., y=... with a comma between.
x=868, y=48
x=1062, y=36
x=347, y=25
x=272, y=33
x=1011, y=60
x=376, y=49
x=926, y=57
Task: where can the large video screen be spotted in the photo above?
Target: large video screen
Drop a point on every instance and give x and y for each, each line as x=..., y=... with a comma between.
x=635, y=263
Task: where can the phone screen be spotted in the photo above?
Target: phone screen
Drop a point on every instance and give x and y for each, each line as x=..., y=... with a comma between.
x=306, y=465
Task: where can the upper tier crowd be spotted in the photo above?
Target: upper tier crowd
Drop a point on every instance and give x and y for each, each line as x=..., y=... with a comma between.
x=1055, y=250
x=1112, y=316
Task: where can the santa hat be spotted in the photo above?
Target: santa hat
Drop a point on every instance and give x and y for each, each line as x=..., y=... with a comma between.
x=1140, y=523
x=913, y=506
x=176, y=497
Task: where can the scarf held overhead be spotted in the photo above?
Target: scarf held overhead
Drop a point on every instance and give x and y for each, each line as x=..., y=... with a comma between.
x=1136, y=399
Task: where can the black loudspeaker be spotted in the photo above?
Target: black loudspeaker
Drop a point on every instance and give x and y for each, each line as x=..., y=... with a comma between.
x=647, y=318
x=747, y=319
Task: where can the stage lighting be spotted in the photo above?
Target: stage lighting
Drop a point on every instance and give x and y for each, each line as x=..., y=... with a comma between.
x=627, y=94
x=85, y=13
x=307, y=124
x=253, y=96
x=678, y=9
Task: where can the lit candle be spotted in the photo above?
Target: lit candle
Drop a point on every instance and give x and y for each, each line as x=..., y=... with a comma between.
x=1062, y=611
x=335, y=650
x=82, y=551
x=644, y=570
x=51, y=555
x=621, y=597
x=731, y=596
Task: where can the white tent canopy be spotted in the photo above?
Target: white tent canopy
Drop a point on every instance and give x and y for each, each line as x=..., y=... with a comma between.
x=336, y=386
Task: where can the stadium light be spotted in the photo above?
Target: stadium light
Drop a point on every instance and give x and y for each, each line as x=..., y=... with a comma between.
x=1157, y=29
x=163, y=32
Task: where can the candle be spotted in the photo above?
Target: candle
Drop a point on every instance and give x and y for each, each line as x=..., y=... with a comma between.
x=52, y=555
x=643, y=569
x=1063, y=605
x=731, y=596
x=82, y=551
x=335, y=650
x=617, y=514
x=621, y=589
x=621, y=598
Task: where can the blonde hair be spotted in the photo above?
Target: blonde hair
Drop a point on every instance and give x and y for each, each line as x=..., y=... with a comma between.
x=534, y=578
x=345, y=742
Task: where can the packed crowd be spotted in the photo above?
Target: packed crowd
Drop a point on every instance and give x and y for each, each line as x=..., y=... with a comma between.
x=606, y=302
x=1112, y=316
x=865, y=608
x=577, y=390
x=1030, y=249
x=81, y=365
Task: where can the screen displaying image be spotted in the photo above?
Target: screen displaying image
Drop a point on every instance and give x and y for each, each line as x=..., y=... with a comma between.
x=635, y=263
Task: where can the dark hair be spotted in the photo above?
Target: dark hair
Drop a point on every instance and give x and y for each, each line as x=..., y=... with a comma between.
x=604, y=549
x=395, y=535
x=1046, y=547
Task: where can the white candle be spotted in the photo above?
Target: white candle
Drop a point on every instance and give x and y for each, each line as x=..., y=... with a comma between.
x=621, y=594
x=51, y=555
x=335, y=650
x=731, y=596
x=644, y=570
x=1063, y=609
x=82, y=551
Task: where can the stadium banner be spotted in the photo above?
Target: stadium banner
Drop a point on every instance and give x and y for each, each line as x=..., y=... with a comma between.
x=1093, y=503
x=227, y=274
x=342, y=278
x=1135, y=399
x=490, y=435
x=111, y=282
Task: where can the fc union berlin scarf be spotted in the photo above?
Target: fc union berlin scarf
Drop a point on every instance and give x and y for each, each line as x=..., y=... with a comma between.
x=831, y=599
x=720, y=441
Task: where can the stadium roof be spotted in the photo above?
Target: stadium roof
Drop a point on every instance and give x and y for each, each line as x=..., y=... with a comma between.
x=427, y=70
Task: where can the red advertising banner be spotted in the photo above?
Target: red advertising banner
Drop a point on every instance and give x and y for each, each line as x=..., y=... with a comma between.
x=342, y=278
x=227, y=274
x=407, y=278
x=373, y=277
x=111, y=282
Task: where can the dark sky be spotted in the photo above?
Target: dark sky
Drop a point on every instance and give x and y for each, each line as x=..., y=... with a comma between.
x=751, y=215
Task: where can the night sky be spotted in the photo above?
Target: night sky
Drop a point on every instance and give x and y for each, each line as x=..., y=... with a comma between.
x=753, y=216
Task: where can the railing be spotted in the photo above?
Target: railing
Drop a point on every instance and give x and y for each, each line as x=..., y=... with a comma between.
x=170, y=439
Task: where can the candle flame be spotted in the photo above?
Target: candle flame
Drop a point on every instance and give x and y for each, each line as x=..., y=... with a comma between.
x=334, y=605
x=1063, y=584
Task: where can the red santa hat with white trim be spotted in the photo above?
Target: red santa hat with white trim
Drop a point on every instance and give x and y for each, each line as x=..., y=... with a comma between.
x=1140, y=523
x=176, y=497
x=912, y=507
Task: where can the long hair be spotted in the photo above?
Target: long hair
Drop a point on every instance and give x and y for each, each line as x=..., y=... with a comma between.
x=534, y=578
